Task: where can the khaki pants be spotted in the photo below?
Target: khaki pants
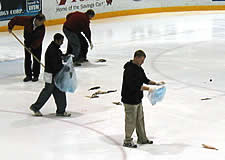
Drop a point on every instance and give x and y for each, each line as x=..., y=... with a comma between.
x=134, y=119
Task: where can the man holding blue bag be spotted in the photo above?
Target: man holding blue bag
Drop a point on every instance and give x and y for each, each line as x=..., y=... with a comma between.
x=132, y=93
x=53, y=64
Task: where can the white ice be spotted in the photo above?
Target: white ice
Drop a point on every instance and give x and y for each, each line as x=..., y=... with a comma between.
x=184, y=49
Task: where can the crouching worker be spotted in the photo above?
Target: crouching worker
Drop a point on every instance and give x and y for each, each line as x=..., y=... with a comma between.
x=53, y=64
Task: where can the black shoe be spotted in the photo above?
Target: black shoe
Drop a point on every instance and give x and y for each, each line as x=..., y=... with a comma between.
x=130, y=145
x=27, y=79
x=35, y=79
x=36, y=113
x=146, y=142
x=65, y=114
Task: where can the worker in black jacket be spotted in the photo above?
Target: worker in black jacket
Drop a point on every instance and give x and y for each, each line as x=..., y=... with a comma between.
x=53, y=64
x=132, y=93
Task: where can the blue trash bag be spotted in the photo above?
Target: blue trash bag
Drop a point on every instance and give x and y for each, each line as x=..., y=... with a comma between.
x=157, y=95
x=66, y=79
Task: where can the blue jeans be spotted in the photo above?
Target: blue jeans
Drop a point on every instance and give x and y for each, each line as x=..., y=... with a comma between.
x=73, y=43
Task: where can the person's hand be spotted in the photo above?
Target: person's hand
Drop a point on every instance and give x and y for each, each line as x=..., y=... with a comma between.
x=91, y=45
x=66, y=57
x=151, y=90
x=160, y=83
x=10, y=30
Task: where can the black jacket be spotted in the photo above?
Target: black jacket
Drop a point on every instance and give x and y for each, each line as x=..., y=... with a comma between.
x=133, y=78
x=53, y=59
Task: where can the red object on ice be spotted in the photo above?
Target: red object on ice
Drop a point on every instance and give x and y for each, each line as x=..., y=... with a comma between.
x=209, y=147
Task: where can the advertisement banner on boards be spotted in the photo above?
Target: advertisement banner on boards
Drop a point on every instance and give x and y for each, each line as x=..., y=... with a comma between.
x=66, y=6
x=11, y=8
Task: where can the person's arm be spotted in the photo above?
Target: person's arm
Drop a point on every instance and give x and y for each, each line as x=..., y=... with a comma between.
x=37, y=42
x=87, y=33
x=145, y=88
x=156, y=83
x=51, y=60
x=18, y=20
x=55, y=66
x=150, y=82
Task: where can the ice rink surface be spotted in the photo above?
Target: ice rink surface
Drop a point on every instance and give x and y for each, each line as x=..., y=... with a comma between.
x=184, y=49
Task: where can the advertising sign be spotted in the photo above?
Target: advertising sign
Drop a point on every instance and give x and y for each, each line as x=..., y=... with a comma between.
x=11, y=8
x=67, y=6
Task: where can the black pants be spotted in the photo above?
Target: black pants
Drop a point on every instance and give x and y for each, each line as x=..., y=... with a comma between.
x=32, y=69
x=83, y=47
x=47, y=91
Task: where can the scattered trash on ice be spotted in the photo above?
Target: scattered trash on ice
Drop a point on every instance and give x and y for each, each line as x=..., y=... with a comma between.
x=203, y=99
x=117, y=103
x=209, y=147
x=93, y=88
x=94, y=95
x=101, y=60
